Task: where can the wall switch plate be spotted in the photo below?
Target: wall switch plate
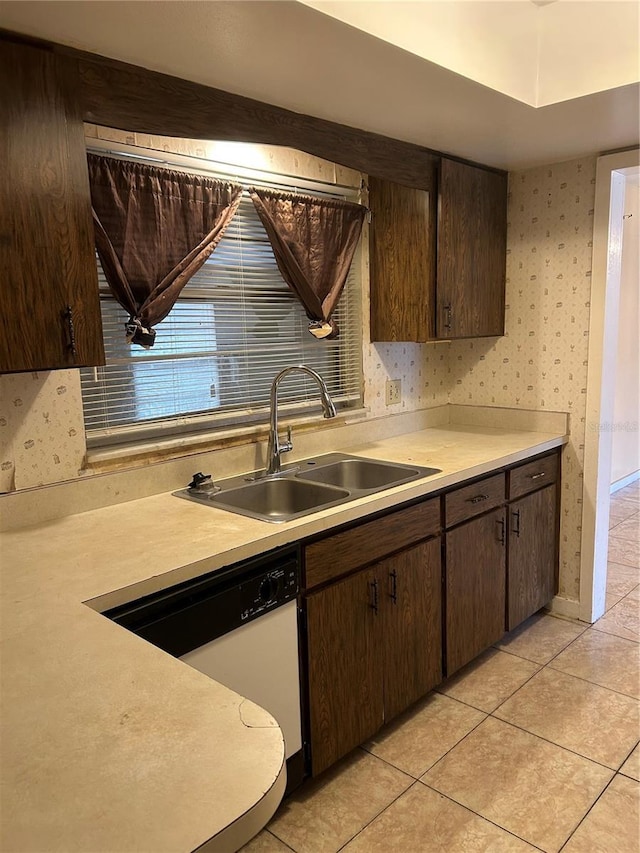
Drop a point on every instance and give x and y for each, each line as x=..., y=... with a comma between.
x=393, y=392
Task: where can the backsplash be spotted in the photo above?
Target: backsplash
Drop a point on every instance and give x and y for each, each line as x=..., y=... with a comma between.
x=423, y=369
x=541, y=362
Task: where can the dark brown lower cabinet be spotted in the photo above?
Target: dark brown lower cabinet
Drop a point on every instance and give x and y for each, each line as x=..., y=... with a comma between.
x=345, y=682
x=475, y=587
x=411, y=584
x=533, y=549
x=374, y=647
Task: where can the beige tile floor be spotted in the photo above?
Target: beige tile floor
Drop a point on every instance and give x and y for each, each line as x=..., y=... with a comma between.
x=533, y=746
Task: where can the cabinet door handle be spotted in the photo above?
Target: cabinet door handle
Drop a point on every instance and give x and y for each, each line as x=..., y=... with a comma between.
x=449, y=316
x=516, y=520
x=478, y=499
x=500, y=523
x=539, y=475
x=374, y=596
x=71, y=332
x=393, y=576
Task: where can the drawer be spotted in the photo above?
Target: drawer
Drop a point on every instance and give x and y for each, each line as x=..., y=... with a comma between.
x=370, y=541
x=532, y=475
x=472, y=500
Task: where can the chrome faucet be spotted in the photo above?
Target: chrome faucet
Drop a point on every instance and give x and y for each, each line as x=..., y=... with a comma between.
x=275, y=447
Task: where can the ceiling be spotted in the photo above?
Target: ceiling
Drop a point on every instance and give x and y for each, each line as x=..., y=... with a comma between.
x=538, y=55
x=300, y=58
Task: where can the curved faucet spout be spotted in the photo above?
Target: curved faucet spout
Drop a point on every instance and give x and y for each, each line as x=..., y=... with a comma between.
x=276, y=448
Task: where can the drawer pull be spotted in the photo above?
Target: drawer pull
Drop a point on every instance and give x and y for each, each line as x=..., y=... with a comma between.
x=71, y=331
x=500, y=523
x=478, y=499
x=449, y=314
x=516, y=519
x=374, y=596
x=539, y=475
x=393, y=595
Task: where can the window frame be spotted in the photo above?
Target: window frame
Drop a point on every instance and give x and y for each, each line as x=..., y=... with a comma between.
x=237, y=420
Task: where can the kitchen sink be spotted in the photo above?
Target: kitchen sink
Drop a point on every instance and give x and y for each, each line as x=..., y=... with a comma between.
x=306, y=487
x=364, y=474
x=278, y=499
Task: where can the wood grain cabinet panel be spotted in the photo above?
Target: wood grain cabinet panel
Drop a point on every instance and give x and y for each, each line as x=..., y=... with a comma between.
x=474, y=499
x=47, y=256
x=438, y=265
x=533, y=475
x=471, y=253
x=411, y=589
x=403, y=262
x=475, y=587
x=533, y=554
x=345, y=678
x=370, y=541
x=374, y=645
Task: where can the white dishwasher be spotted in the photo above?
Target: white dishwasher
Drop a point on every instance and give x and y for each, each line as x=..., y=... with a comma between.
x=238, y=625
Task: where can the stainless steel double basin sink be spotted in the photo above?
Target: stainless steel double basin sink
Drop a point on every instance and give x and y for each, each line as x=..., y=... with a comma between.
x=307, y=486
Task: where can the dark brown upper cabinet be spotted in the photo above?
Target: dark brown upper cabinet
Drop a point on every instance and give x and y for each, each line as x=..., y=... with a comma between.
x=438, y=259
x=49, y=299
x=472, y=250
x=403, y=262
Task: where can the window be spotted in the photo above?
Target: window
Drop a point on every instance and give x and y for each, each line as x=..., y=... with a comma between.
x=235, y=325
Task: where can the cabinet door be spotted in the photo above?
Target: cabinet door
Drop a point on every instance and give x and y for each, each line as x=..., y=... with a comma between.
x=402, y=262
x=411, y=592
x=472, y=240
x=345, y=674
x=475, y=587
x=533, y=554
x=47, y=265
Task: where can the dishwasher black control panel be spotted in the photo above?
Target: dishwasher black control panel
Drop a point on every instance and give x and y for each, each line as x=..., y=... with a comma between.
x=267, y=590
x=196, y=612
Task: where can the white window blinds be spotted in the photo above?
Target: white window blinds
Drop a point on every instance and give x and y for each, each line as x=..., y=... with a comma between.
x=235, y=325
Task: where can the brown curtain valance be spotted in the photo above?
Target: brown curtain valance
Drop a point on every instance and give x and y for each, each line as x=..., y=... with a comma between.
x=154, y=229
x=313, y=241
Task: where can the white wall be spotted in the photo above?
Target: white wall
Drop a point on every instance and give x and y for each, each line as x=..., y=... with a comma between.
x=625, y=447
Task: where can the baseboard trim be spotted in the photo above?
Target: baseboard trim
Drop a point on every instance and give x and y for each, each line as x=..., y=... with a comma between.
x=565, y=607
x=625, y=481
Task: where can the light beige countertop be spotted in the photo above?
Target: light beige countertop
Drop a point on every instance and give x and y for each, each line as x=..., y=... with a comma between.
x=108, y=743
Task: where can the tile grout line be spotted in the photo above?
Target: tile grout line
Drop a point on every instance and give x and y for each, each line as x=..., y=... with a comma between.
x=477, y=814
x=612, y=689
x=457, y=743
x=588, y=812
x=376, y=816
x=559, y=746
x=613, y=772
x=273, y=835
x=489, y=713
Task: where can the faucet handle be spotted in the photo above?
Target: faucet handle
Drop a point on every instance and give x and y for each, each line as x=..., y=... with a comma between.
x=288, y=445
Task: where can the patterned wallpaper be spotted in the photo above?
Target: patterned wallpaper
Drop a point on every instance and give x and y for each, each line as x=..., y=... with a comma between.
x=41, y=428
x=423, y=369
x=541, y=362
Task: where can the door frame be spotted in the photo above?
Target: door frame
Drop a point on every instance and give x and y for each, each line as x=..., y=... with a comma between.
x=611, y=173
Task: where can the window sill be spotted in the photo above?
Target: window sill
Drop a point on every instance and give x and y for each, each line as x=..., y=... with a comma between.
x=119, y=457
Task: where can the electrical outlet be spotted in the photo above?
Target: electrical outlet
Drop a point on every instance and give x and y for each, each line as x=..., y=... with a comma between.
x=393, y=392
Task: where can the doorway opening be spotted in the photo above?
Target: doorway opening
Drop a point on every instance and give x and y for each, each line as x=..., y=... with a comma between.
x=614, y=175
